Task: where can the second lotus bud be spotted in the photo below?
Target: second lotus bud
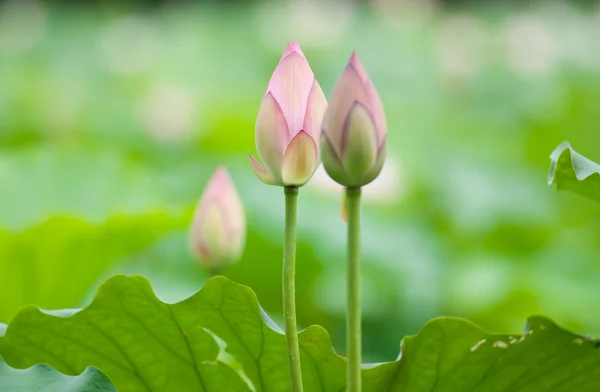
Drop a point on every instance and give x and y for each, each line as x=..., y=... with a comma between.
x=354, y=130
x=218, y=231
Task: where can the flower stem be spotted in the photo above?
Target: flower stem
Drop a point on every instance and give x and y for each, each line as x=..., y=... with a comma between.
x=353, y=319
x=289, y=287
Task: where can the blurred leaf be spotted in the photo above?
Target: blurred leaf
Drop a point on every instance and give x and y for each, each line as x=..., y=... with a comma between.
x=144, y=344
x=42, y=378
x=574, y=172
x=93, y=185
x=52, y=265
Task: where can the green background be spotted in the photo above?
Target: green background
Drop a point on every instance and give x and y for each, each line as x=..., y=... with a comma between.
x=112, y=119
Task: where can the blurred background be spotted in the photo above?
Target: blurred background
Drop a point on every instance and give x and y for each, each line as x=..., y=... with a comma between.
x=114, y=115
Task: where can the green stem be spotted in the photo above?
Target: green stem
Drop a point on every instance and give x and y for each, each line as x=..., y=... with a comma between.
x=353, y=319
x=289, y=287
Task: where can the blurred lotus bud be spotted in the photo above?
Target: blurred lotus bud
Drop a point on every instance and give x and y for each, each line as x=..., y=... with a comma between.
x=354, y=130
x=218, y=231
x=289, y=122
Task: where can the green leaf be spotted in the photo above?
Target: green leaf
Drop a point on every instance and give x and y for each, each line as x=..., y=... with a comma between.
x=53, y=265
x=574, y=172
x=144, y=344
x=42, y=378
x=220, y=340
x=452, y=354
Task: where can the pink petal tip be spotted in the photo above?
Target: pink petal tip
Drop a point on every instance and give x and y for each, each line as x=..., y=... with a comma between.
x=219, y=182
x=357, y=65
x=292, y=47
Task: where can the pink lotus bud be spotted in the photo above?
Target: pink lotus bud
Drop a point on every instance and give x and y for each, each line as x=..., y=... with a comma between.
x=289, y=122
x=218, y=231
x=354, y=131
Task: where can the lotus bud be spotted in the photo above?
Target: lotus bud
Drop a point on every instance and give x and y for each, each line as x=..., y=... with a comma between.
x=354, y=130
x=218, y=231
x=289, y=122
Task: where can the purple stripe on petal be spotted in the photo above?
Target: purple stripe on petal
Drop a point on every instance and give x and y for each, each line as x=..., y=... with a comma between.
x=346, y=125
x=382, y=146
x=333, y=152
x=377, y=111
x=348, y=90
x=357, y=65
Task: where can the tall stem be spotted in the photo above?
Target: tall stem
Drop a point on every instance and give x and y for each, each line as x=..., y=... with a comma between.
x=289, y=287
x=353, y=318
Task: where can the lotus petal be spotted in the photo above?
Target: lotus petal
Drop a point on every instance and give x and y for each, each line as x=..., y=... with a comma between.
x=290, y=48
x=377, y=112
x=348, y=90
x=359, y=145
x=360, y=70
x=271, y=135
x=300, y=161
x=290, y=85
x=315, y=110
x=331, y=161
x=261, y=172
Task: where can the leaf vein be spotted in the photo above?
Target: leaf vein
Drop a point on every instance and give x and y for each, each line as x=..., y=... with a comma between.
x=134, y=318
x=118, y=347
x=189, y=347
x=72, y=340
x=316, y=367
x=437, y=365
x=52, y=354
